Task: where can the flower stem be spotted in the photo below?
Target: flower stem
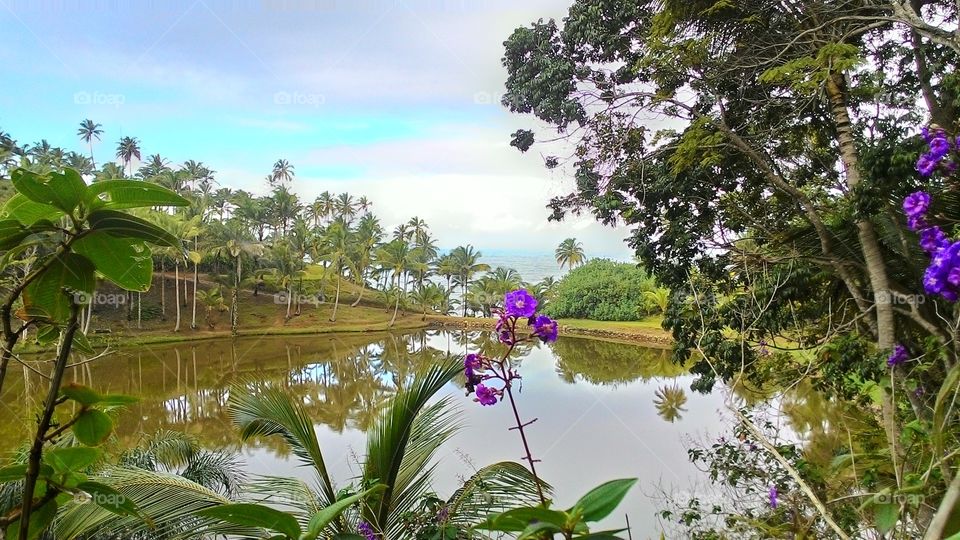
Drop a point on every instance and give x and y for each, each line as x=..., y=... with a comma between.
x=526, y=445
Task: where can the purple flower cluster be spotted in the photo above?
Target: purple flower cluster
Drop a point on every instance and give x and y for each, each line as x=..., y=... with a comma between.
x=940, y=145
x=943, y=273
x=898, y=356
x=366, y=531
x=481, y=370
x=773, y=496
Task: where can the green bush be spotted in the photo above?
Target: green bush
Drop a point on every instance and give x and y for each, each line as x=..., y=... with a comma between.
x=604, y=290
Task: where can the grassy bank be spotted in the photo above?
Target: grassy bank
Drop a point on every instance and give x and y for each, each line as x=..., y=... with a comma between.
x=647, y=331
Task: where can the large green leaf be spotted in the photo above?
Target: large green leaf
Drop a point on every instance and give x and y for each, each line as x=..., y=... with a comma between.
x=28, y=212
x=50, y=293
x=123, y=261
x=125, y=225
x=600, y=501
x=73, y=459
x=117, y=194
x=92, y=427
x=520, y=519
x=12, y=232
x=83, y=395
x=321, y=519
x=255, y=515
x=68, y=188
x=32, y=186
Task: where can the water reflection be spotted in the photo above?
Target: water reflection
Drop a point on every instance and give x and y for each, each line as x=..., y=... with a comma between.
x=343, y=380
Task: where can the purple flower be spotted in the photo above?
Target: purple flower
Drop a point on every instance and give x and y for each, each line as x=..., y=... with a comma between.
x=926, y=165
x=898, y=356
x=519, y=303
x=773, y=496
x=916, y=204
x=544, y=328
x=939, y=146
x=486, y=395
x=933, y=239
x=472, y=361
x=366, y=531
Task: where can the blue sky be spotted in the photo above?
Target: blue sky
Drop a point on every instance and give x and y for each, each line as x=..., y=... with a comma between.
x=398, y=101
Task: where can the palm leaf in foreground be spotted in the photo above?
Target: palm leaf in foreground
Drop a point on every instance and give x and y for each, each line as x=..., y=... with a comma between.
x=169, y=500
x=400, y=444
x=493, y=489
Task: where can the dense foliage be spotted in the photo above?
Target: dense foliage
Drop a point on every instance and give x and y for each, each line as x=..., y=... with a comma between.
x=603, y=290
x=761, y=152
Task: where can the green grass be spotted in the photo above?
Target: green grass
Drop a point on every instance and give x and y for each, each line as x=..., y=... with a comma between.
x=650, y=323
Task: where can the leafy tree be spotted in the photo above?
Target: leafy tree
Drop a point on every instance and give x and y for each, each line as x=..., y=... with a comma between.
x=602, y=290
x=95, y=236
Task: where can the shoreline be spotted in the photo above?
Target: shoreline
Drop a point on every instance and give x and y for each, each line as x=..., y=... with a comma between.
x=649, y=337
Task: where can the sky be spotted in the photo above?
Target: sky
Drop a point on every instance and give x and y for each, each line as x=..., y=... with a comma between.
x=394, y=100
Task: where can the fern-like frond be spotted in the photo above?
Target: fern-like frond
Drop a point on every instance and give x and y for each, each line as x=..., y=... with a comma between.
x=493, y=489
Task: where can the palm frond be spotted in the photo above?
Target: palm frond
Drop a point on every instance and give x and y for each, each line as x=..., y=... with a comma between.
x=260, y=410
x=434, y=426
x=493, y=489
x=219, y=471
x=170, y=501
x=396, y=432
x=289, y=494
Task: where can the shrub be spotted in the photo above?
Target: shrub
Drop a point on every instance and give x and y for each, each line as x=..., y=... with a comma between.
x=604, y=290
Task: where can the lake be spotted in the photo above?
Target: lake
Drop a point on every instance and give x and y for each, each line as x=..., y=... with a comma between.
x=595, y=402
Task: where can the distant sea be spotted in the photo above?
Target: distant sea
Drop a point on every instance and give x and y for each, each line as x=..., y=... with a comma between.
x=532, y=267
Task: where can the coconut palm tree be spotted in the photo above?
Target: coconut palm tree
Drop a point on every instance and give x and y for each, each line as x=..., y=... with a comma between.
x=429, y=297
x=90, y=130
x=338, y=240
x=236, y=242
x=183, y=227
x=155, y=166
x=364, y=204
x=401, y=445
x=127, y=149
x=467, y=262
x=282, y=172
x=395, y=256
x=669, y=401
x=569, y=253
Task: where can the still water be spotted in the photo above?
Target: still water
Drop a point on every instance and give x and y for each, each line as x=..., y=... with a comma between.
x=600, y=406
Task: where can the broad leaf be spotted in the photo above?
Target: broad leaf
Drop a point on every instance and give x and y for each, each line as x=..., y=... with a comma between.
x=600, y=501
x=125, y=225
x=123, y=261
x=32, y=186
x=73, y=459
x=255, y=515
x=83, y=395
x=22, y=209
x=13, y=473
x=885, y=517
x=68, y=188
x=92, y=427
x=519, y=519
x=51, y=293
x=117, y=194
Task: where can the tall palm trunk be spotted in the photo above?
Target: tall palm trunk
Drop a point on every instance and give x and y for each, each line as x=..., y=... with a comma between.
x=193, y=318
x=163, y=290
x=289, y=300
x=463, y=297
x=234, y=315
x=176, y=287
x=396, y=307
x=86, y=321
x=360, y=294
x=873, y=257
x=336, y=301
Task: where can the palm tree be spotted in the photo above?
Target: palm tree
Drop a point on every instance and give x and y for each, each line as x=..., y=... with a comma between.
x=235, y=243
x=368, y=235
x=89, y=130
x=338, y=245
x=156, y=165
x=345, y=207
x=669, y=401
x=401, y=445
x=182, y=227
x=569, y=253
x=282, y=172
x=196, y=171
x=429, y=297
x=467, y=262
x=395, y=256
x=127, y=149
x=364, y=204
